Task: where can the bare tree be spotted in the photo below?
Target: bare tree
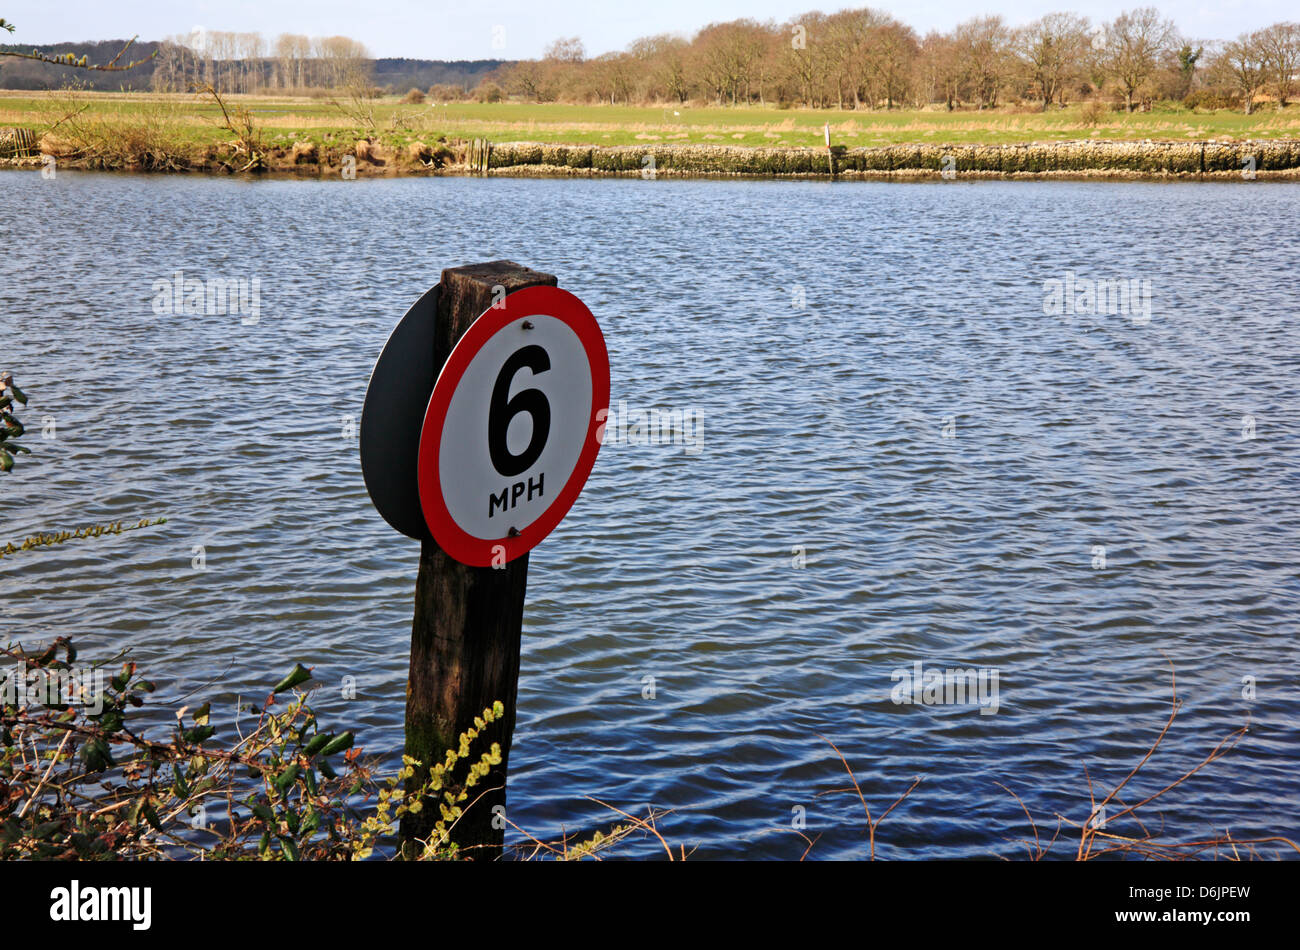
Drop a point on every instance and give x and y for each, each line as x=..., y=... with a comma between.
x=846, y=40
x=343, y=62
x=175, y=65
x=1135, y=42
x=566, y=50
x=526, y=78
x=987, y=60
x=1051, y=50
x=1240, y=66
x=252, y=52
x=665, y=68
x=939, y=68
x=292, y=50
x=613, y=77
x=1279, y=51
x=891, y=53
x=728, y=58
x=808, y=56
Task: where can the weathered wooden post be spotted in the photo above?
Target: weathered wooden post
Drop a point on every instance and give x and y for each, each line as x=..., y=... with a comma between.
x=448, y=459
x=465, y=636
x=479, y=156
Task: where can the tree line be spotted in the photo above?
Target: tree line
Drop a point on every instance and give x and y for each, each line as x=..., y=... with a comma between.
x=247, y=62
x=868, y=59
x=853, y=59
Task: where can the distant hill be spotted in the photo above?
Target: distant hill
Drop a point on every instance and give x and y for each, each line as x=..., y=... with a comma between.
x=397, y=74
x=404, y=74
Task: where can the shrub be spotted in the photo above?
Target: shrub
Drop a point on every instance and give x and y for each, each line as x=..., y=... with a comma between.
x=10, y=427
x=146, y=138
x=414, y=97
x=82, y=778
x=1208, y=99
x=446, y=92
x=1092, y=112
x=79, y=777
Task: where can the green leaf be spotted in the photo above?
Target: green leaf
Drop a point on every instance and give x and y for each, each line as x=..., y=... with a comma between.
x=299, y=674
x=45, y=829
x=123, y=677
x=339, y=743
x=198, y=734
x=286, y=778
x=263, y=812
x=110, y=720
x=18, y=393
x=97, y=755
x=318, y=742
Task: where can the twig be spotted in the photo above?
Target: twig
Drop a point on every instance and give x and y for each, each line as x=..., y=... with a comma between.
x=41, y=784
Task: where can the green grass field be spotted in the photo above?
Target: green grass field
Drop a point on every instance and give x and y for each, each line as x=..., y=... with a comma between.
x=283, y=119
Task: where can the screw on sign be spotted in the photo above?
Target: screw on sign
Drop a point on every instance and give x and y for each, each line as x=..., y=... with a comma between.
x=510, y=434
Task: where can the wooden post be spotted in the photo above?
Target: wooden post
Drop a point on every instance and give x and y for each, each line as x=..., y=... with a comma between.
x=478, y=156
x=466, y=633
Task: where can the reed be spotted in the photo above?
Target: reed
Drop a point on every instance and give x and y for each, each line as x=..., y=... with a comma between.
x=1096, y=841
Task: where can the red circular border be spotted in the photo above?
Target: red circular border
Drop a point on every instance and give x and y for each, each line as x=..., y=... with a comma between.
x=531, y=301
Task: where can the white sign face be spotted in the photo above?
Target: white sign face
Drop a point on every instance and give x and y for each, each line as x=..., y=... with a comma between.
x=510, y=432
x=536, y=388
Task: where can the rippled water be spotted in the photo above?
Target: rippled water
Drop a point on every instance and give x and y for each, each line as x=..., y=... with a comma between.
x=823, y=433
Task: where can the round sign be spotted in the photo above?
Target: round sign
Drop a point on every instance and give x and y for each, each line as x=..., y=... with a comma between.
x=393, y=415
x=510, y=434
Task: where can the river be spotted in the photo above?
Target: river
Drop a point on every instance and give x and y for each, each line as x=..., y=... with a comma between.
x=895, y=447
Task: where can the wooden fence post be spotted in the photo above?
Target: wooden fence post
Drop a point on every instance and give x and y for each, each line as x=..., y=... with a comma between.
x=465, y=637
x=478, y=156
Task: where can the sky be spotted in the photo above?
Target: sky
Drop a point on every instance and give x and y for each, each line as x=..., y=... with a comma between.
x=521, y=29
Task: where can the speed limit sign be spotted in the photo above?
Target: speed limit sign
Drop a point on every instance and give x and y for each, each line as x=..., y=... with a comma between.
x=510, y=434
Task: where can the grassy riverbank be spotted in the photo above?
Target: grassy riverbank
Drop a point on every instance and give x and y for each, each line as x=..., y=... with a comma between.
x=198, y=120
x=316, y=136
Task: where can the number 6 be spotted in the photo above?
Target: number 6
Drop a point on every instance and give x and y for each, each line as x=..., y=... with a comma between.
x=503, y=410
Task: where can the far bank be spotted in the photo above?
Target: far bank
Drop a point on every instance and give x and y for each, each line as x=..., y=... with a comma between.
x=1275, y=159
